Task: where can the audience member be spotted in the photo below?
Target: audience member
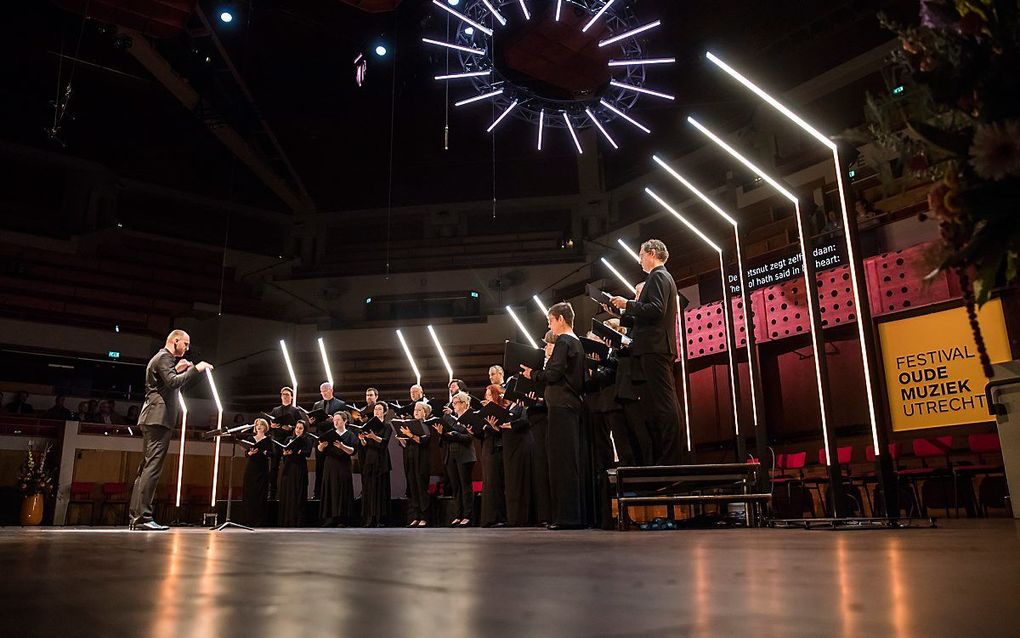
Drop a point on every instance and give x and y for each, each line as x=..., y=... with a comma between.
x=132, y=415
x=20, y=404
x=832, y=225
x=107, y=415
x=82, y=413
x=58, y=411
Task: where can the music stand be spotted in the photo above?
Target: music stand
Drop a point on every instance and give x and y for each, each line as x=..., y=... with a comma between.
x=232, y=434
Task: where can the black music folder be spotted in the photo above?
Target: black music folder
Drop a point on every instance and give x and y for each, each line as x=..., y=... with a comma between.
x=615, y=339
x=517, y=354
x=598, y=296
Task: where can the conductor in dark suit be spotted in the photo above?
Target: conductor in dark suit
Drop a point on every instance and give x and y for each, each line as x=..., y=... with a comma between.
x=564, y=382
x=653, y=316
x=167, y=372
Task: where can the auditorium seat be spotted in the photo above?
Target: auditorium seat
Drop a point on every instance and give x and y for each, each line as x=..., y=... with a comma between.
x=80, y=498
x=116, y=498
x=992, y=490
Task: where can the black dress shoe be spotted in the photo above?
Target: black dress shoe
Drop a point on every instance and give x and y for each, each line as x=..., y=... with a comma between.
x=497, y=525
x=557, y=526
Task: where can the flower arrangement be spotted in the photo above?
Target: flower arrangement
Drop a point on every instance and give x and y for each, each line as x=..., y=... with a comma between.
x=955, y=120
x=35, y=477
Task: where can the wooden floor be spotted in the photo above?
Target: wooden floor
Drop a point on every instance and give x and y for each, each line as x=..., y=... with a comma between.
x=962, y=579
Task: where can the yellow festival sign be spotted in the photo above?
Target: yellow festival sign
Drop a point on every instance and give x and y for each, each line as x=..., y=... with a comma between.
x=933, y=376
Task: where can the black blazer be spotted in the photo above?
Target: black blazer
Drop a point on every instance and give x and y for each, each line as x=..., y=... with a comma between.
x=564, y=374
x=654, y=315
x=457, y=445
x=161, y=385
x=331, y=407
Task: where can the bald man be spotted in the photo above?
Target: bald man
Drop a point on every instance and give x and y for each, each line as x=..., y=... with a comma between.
x=168, y=371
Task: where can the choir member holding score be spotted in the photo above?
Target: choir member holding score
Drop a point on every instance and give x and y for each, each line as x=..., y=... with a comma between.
x=375, y=468
x=417, y=460
x=337, y=449
x=294, y=476
x=458, y=458
x=255, y=488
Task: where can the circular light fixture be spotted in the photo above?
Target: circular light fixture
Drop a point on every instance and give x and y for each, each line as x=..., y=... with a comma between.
x=380, y=50
x=597, y=81
x=227, y=17
x=453, y=3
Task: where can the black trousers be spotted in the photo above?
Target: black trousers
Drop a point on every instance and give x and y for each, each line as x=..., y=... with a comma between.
x=662, y=414
x=563, y=441
x=637, y=433
x=155, y=443
x=460, y=487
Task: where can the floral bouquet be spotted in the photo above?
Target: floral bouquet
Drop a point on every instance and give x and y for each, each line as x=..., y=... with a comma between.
x=35, y=477
x=956, y=121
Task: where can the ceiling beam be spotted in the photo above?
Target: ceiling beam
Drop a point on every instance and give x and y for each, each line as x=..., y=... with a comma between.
x=143, y=51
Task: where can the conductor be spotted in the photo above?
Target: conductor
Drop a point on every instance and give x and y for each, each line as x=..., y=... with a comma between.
x=163, y=377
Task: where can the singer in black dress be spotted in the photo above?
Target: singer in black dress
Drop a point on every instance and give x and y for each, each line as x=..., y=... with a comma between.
x=518, y=444
x=294, y=477
x=493, y=492
x=256, y=475
x=417, y=467
x=375, y=471
x=337, y=449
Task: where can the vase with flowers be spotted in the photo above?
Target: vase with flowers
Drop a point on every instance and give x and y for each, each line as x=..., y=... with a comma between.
x=954, y=119
x=36, y=483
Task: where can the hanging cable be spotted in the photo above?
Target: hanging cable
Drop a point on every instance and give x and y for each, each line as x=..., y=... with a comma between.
x=393, y=110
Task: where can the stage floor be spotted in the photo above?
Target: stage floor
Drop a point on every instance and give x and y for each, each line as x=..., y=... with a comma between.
x=960, y=579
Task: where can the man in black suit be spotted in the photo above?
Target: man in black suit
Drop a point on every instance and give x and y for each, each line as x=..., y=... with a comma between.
x=167, y=372
x=331, y=405
x=654, y=318
x=564, y=382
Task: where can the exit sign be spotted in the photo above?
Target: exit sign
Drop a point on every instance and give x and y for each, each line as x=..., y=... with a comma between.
x=113, y=354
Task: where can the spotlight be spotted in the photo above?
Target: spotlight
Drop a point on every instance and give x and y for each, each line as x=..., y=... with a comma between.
x=453, y=3
x=380, y=50
x=226, y=17
x=469, y=31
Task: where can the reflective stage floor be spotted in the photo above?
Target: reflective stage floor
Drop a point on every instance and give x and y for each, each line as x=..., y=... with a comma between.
x=962, y=579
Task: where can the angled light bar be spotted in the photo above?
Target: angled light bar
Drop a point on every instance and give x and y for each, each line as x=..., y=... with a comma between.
x=538, y=302
x=219, y=426
x=468, y=74
x=524, y=8
x=601, y=129
x=290, y=369
x=573, y=135
x=180, y=452
x=410, y=359
x=630, y=34
x=640, y=89
x=456, y=47
x=681, y=323
x=595, y=18
x=743, y=160
x=817, y=343
x=731, y=337
x=694, y=229
x=442, y=353
x=745, y=298
x=325, y=361
x=559, y=9
x=616, y=272
x=463, y=18
x=496, y=14
x=520, y=326
x=630, y=251
x=867, y=355
x=641, y=61
x=499, y=119
x=625, y=116
x=477, y=98
x=541, y=125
